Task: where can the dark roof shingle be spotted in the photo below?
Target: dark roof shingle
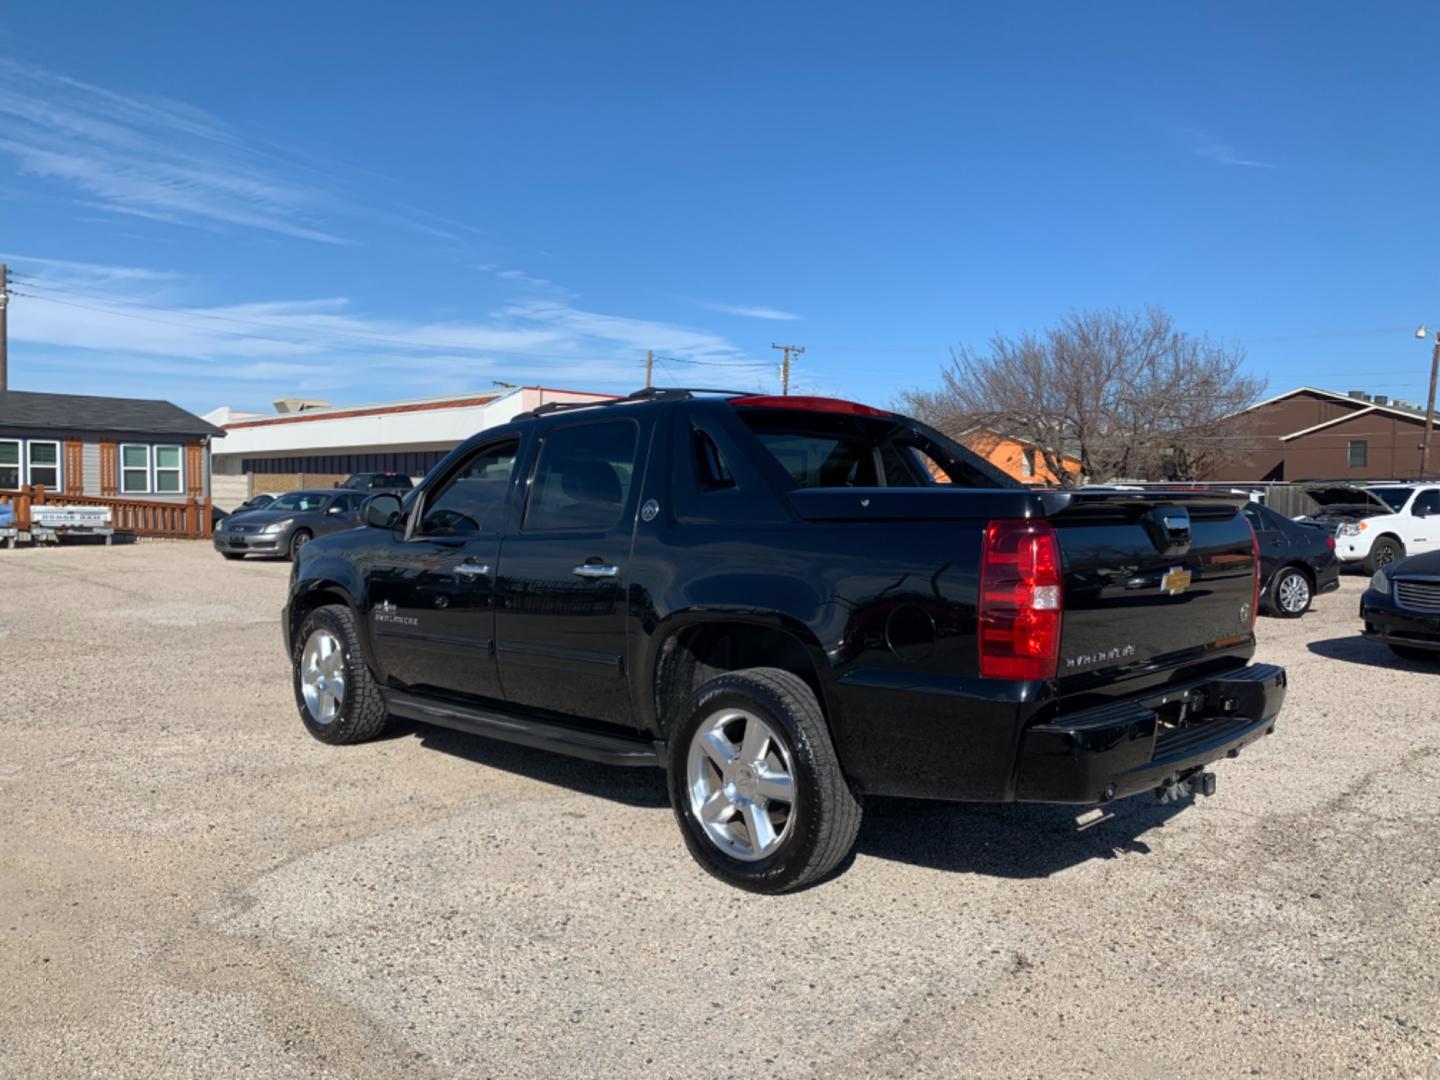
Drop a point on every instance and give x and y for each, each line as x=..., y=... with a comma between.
x=79, y=412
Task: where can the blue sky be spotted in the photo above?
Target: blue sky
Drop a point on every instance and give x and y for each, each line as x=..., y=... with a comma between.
x=222, y=204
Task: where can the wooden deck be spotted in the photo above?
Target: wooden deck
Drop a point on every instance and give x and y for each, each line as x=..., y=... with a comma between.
x=188, y=520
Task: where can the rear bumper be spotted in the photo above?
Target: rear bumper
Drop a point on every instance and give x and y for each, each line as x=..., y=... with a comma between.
x=1139, y=744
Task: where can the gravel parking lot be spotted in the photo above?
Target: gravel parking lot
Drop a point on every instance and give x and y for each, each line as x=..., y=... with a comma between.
x=190, y=885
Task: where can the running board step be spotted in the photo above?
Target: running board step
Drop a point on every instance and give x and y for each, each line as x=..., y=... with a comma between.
x=526, y=731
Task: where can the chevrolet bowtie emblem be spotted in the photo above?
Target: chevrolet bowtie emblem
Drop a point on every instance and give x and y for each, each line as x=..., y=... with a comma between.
x=1176, y=580
x=386, y=606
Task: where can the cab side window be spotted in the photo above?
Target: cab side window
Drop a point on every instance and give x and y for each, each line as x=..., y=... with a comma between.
x=472, y=500
x=1426, y=504
x=583, y=477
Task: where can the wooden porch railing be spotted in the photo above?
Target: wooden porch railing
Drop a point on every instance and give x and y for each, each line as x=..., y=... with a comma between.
x=189, y=520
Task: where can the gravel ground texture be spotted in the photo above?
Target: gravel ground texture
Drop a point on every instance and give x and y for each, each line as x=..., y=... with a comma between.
x=191, y=886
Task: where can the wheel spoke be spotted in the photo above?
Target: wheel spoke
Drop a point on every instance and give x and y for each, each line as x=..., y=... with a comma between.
x=718, y=749
x=717, y=808
x=775, y=785
x=762, y=833
x=755, y=741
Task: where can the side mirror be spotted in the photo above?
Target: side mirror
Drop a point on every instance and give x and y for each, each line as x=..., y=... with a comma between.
x=381, y=511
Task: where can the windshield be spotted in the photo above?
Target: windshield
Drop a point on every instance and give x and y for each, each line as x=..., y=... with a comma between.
x=300, y=500
x=1395, y=497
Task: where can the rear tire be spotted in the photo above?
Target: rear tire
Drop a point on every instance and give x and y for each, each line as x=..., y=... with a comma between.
x=756, y=785
x=1383, y=552
x=1290, y=593
x=1409, y=652
x=338, y=699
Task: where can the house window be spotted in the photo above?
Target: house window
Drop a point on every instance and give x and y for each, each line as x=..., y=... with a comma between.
x=168, y=480
x=43, y=459
x=1027, y=464
x=1359, y=453
x=9, y=465
x=134, y=469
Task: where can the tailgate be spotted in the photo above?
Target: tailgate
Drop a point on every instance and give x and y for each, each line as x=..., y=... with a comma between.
x=1152, y=579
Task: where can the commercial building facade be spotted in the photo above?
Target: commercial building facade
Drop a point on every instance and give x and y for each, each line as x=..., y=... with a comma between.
x=321, y=446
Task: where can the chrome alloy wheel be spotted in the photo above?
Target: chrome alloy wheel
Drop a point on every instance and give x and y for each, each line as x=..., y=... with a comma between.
x=322, y=676
x=1294, y=593
x=741, y=784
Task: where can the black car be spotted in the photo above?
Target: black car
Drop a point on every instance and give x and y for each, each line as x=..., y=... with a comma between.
x=774, y=599
x=1297, y=561
x=377, y=481
x=1402, y=607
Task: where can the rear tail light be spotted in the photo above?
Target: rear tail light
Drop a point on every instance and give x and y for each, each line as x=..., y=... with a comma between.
x=1330, y=541
x=1020, y=601
x=1255, y=595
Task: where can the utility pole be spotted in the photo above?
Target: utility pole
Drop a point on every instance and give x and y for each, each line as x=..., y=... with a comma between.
x=1429, y=408
x=798, y=350
x=649, y=366
x=4, y=329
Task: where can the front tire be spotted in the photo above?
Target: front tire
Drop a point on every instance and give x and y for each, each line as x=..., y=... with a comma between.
x=1290, y=593
x=756, y=785
x=338, y=699
x=1383, y=552
x=299, y=540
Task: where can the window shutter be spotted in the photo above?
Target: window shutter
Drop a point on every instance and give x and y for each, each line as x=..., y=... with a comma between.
x=74, y=467
x=195, y=470
x=109, y=469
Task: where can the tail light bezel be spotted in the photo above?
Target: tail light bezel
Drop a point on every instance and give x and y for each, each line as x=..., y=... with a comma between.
x=1020, y=603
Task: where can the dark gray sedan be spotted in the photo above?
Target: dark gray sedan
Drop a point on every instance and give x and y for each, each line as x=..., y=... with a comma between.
x=288, y=523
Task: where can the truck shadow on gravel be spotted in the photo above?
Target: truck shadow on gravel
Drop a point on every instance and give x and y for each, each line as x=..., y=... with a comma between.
x=1018, y=840
x=1355, y=649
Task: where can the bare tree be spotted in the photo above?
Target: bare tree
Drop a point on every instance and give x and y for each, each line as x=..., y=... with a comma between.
x=1125, y=392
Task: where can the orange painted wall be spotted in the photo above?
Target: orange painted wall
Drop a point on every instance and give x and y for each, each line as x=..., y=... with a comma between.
x=1009, y=455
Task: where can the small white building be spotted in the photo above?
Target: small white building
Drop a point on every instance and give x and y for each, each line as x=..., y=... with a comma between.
x=308, y=443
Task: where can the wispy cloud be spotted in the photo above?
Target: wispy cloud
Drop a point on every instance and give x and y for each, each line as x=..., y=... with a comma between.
x=88, y=321
x=166, y=161
x=1225, y=154
x=749, y=311
x=156, y=159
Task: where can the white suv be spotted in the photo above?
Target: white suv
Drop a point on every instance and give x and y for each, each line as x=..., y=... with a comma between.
x=1378, y=524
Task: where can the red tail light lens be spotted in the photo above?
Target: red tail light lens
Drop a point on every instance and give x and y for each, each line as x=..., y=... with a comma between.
x=1020, y=601
x=1330, y=541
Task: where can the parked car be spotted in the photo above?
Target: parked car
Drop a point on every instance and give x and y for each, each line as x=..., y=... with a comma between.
x=256, y=502
x=288, y=523
x=1297, y=561
x=772, y=598
x=378, y=481
x=1380, y=523
x=1402, y=607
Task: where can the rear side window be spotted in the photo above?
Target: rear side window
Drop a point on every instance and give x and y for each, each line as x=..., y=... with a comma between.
x=583, y=477
x=826, y=451
x=473, y=498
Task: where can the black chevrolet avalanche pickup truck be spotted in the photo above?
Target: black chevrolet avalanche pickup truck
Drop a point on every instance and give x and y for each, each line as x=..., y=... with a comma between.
x=789, y=603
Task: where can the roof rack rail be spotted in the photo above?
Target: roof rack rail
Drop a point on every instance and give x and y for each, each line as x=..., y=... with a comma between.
x=649, y=393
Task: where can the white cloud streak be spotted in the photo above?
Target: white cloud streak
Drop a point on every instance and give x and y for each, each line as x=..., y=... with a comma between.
x=83, y=322
x=749, y=311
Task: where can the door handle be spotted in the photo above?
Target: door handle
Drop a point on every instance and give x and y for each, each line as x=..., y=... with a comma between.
x=471, y=569
x=590, y=570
